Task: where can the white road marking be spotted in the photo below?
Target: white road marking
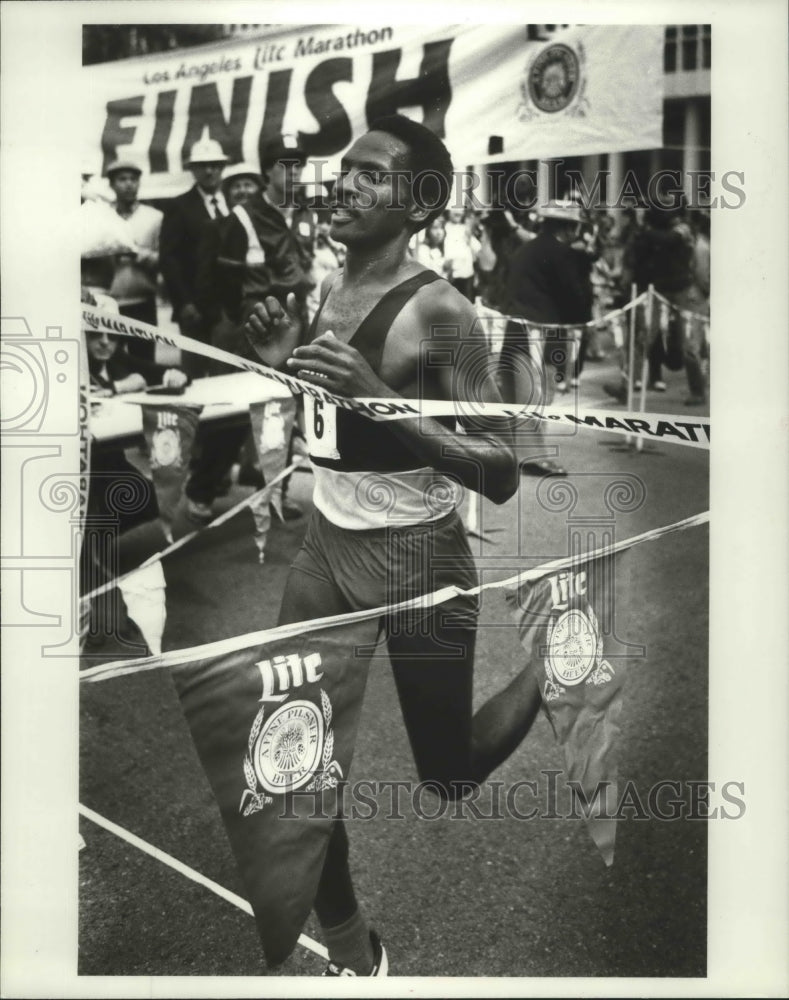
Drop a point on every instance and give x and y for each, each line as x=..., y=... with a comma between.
x=190, y=873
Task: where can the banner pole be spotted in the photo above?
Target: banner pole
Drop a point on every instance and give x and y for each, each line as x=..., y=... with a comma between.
x=642, y=401
x=631, y=353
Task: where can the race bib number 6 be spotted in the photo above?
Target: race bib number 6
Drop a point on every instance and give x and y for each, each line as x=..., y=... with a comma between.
x=321, y=427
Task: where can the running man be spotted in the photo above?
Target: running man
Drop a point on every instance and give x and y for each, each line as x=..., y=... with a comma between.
x=385, y=526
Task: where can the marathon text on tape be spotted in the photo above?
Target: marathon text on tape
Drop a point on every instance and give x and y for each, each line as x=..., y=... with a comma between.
x=663, y=426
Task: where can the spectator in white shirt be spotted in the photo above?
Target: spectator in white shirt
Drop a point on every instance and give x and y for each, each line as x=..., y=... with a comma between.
x=430, y=250
x=135, y=274
x=461, y=249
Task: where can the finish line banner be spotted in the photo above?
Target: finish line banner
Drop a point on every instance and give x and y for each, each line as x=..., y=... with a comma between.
x=662, y=426
x=586, y=89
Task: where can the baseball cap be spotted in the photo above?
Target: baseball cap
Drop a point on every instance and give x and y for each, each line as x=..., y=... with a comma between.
x=123, y=163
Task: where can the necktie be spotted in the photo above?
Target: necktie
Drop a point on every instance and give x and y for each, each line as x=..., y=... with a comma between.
x=215, y=213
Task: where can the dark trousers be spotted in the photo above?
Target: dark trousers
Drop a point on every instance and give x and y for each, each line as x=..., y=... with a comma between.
x=143, y=312
x=196, y=365
x=216, y=448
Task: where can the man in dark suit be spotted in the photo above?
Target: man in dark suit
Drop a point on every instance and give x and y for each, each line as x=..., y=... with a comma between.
x=545, y=281
x=182, y=229
x=544, y=286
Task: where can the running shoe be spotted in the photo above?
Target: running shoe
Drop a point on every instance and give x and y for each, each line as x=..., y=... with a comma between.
x=657, y=386
x=380, y=961
x=543, y=467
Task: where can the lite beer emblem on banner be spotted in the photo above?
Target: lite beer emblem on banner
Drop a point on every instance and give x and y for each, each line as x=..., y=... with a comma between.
x=275, y=726
x=274, y=718
x=559, y=622
x=292, y=746
x=169, y=432
x=553, y=81
x=574, y=653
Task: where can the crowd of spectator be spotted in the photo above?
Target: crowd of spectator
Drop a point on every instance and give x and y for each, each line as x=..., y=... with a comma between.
x=241, y=233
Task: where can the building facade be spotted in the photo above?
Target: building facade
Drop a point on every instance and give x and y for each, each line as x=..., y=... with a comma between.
x=687, y=58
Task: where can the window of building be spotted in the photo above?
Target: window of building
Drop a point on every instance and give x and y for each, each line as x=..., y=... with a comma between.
x=687, y=47
x=670, y=50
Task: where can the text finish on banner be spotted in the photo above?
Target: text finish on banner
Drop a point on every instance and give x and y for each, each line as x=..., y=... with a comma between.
x=544, y=99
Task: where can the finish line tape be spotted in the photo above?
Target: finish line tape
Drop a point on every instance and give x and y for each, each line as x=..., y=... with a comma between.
x=662, y=426
x=120, y=668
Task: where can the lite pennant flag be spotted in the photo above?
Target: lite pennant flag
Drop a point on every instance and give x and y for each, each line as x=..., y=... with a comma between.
x=272, y=423
x=274, y=726
x=169, y=430
x=562, y=619
x=144, y=596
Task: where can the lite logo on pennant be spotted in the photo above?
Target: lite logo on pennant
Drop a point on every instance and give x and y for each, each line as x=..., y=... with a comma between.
x=165, y=442
x=287, y=671
x=559, y=624
x=574, y=651
x=291, y=750
x=293, y=747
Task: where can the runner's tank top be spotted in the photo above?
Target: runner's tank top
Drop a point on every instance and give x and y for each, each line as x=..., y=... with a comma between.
x=366, y=476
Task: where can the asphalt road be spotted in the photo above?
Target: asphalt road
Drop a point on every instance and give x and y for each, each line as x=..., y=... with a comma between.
x=452, y=897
